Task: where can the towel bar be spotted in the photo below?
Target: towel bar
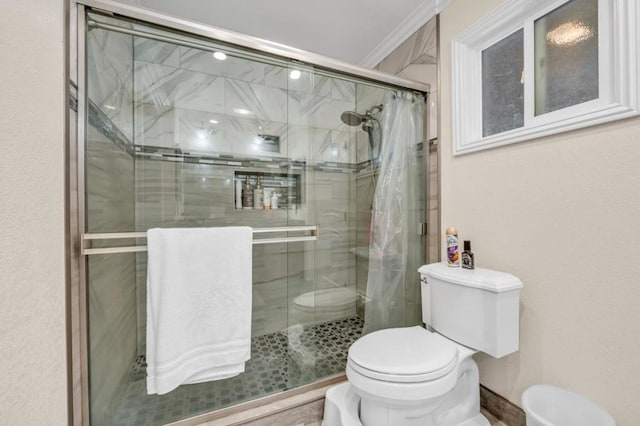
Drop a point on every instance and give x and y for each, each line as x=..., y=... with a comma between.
x=86, y=250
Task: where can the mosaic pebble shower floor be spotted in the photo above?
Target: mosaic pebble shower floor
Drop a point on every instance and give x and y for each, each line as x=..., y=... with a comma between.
x=279, y=361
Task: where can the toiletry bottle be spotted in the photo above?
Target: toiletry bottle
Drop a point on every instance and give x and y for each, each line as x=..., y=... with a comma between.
x=247, y=195
x=453, y=255
x=274, y=201
x=467, y=256
x=266, y=203
x=258, y=195
x=238, y=194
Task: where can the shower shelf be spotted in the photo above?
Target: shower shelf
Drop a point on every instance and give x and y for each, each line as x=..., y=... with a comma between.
x=287, y=186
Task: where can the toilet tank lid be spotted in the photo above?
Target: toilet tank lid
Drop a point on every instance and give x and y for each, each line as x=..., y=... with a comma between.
x=484, y=279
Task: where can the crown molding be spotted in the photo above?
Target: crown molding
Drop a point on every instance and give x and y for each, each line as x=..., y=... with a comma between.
x=409, y=25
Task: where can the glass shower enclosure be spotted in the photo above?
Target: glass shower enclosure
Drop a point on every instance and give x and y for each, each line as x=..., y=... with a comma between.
x=181, y=130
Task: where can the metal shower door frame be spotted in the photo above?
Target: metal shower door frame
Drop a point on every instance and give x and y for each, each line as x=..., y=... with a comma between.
x=77, y=327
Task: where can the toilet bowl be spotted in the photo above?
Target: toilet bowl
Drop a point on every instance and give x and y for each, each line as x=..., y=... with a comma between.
x=411, y=376
x=402, y=365
x=414, y=376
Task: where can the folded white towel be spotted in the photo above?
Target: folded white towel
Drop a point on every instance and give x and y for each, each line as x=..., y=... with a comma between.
x=198, y=305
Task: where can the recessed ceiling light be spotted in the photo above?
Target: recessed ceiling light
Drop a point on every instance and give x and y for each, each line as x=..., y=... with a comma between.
x=212, y=121
x=241, y=111
x=221, y=56
x=295, y=74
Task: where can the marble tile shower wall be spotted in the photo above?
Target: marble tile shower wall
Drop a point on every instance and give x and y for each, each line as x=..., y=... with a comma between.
x=187, y=99
x=110, y=76
x=110, y=208
x=366, y=97
x=419, y=48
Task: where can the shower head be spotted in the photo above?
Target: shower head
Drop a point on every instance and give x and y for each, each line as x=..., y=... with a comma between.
x=367, y=125
x=370, y=124
x=352, y=118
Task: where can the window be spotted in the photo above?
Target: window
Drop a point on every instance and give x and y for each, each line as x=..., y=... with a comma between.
x=502, y=88
x=566, y=56
x=531, y=69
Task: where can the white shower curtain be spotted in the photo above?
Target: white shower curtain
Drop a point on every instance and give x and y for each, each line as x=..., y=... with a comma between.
x=394, y=216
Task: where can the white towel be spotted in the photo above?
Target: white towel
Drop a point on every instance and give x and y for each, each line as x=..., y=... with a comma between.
x=198, y=305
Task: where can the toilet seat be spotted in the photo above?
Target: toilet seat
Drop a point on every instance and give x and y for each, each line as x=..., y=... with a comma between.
x=403, y=355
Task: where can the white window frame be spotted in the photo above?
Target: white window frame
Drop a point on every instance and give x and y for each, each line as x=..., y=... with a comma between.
x=618, y=73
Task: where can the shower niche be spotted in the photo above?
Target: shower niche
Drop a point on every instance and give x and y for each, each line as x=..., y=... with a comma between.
x=286, y=187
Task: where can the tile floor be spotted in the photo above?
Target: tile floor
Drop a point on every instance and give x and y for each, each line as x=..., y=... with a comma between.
x=279, y=361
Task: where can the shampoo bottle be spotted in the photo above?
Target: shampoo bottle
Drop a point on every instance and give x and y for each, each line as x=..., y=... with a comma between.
x=247, y=195
x=238, y=194
x=453, y=254
x=266, y=201
x=258, y=196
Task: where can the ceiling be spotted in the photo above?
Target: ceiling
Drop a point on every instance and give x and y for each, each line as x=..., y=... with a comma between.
x=361, y=32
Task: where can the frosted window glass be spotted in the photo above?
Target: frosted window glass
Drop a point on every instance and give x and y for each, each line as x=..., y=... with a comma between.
x=566, y=56
x=502, y=86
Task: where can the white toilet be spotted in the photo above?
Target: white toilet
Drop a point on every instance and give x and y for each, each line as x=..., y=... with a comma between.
x=415, y=376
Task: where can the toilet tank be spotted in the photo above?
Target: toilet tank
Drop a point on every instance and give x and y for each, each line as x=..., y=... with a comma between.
x=478, y=308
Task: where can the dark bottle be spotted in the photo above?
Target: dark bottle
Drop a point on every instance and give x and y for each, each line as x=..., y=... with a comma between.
x=467, y=256
x=247, y=195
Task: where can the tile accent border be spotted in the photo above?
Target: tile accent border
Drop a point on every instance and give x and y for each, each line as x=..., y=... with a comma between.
x=278, y=163
x=101, y=121
x=98, y=119
x=501, y=408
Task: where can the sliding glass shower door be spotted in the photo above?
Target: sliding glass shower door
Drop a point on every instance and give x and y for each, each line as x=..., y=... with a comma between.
x=182, y=132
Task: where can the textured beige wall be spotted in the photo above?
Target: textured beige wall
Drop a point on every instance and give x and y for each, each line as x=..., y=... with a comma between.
x=32, y=284
x=563, y=214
